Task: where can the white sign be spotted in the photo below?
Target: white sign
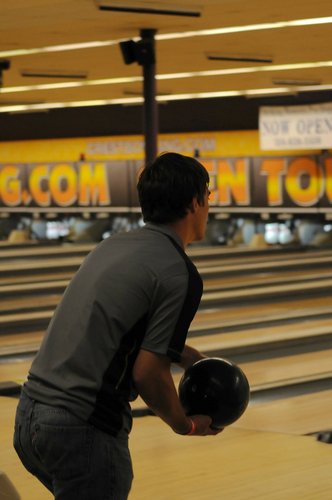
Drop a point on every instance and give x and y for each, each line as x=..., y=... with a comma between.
x=295, y=127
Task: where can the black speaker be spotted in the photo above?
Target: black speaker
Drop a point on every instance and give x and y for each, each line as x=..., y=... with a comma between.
x=141, y=52
x=128, y=50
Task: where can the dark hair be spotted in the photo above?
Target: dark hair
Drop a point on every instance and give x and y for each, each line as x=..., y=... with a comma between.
x=167, y=187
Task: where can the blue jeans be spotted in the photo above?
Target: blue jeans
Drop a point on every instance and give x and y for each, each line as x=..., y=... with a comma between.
x=73, y=459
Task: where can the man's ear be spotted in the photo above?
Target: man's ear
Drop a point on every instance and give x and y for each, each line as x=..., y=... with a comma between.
x=193, y=205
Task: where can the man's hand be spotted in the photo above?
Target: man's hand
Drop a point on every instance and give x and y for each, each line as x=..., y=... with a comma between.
x=202, y=426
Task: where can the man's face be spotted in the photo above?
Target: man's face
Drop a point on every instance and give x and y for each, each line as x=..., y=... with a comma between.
x=202, y=217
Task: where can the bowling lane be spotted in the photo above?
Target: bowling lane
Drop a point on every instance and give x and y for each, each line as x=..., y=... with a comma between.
x=298, y=414
x=266, y=278
x=46, y=290
x=264, y=338
x=225, y=319
x=15, y=371
x=29, y=303
x=39, y=251
x=238, y=464
x=304, y=414
x=262, y=374
x=201, y=468
x=282, y=309
x=208, y=267
x=34, y=278
x=13, y=347
x=274, y=259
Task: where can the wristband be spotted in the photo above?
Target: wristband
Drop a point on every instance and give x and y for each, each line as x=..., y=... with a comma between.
x=193, y=428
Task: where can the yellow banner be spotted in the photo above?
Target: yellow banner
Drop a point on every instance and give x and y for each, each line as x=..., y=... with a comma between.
x=206, y=144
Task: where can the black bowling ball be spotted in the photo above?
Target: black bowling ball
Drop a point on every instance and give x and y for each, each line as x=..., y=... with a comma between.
x=215, y=387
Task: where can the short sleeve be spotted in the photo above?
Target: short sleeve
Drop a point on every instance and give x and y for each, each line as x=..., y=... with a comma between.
x=174, y=306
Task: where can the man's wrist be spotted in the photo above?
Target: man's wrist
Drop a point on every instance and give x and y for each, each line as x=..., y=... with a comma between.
x=192, y=428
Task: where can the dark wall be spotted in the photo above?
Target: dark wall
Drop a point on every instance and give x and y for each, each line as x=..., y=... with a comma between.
x=179, y=116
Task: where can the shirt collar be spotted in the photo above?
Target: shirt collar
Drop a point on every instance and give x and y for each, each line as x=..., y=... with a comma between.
x=163, y=228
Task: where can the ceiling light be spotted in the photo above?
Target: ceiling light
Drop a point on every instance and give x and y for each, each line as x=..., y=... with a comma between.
x=171, y=36
x=221, y=57
x=40, y=73
x=277, y=81
x=245, y=69
x=162, y=98
x=149, y=10
x=59, y=48
x=8, y=102
x=66, y=85
x=249, y=27
x=140, y=93
x=172, y=76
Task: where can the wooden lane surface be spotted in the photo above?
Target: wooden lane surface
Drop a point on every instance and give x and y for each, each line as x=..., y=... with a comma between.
x=263, y=278
x=275, y=258
x=207, y=268
x=195, y=251
x=31, y=265
x=34, y=278
x=29, y=303
x=262, y=374
x=23, y=244
x=237, y=341
x=312, y=412
x=211, y=255
x=225, y=316
x=265, y=292
x=241, y=319
x=218, y=320
x=226, y=282
x=25, y=318
x=286, y=370
x=282, y=371
x=45, y=295
x=257, y=337
x=224, y=289
x=238, y=464
x=44, y=251
x=302, y=414
x=15, y=371
x=18, y=343
x=47, y=282
x=267, y=265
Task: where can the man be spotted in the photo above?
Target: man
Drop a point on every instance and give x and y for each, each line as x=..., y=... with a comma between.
x=121, y=322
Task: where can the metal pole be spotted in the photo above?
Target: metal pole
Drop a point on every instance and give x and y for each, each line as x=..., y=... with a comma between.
x=150, y=109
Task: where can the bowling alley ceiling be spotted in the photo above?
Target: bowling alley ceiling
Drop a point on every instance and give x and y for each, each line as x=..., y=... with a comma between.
x=60, y=53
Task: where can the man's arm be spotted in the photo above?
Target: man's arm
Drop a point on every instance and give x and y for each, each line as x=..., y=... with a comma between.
x=154, y=382
x=189, y=357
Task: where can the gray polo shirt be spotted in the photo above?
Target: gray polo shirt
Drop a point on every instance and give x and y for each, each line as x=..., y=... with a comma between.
x=136, y=290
